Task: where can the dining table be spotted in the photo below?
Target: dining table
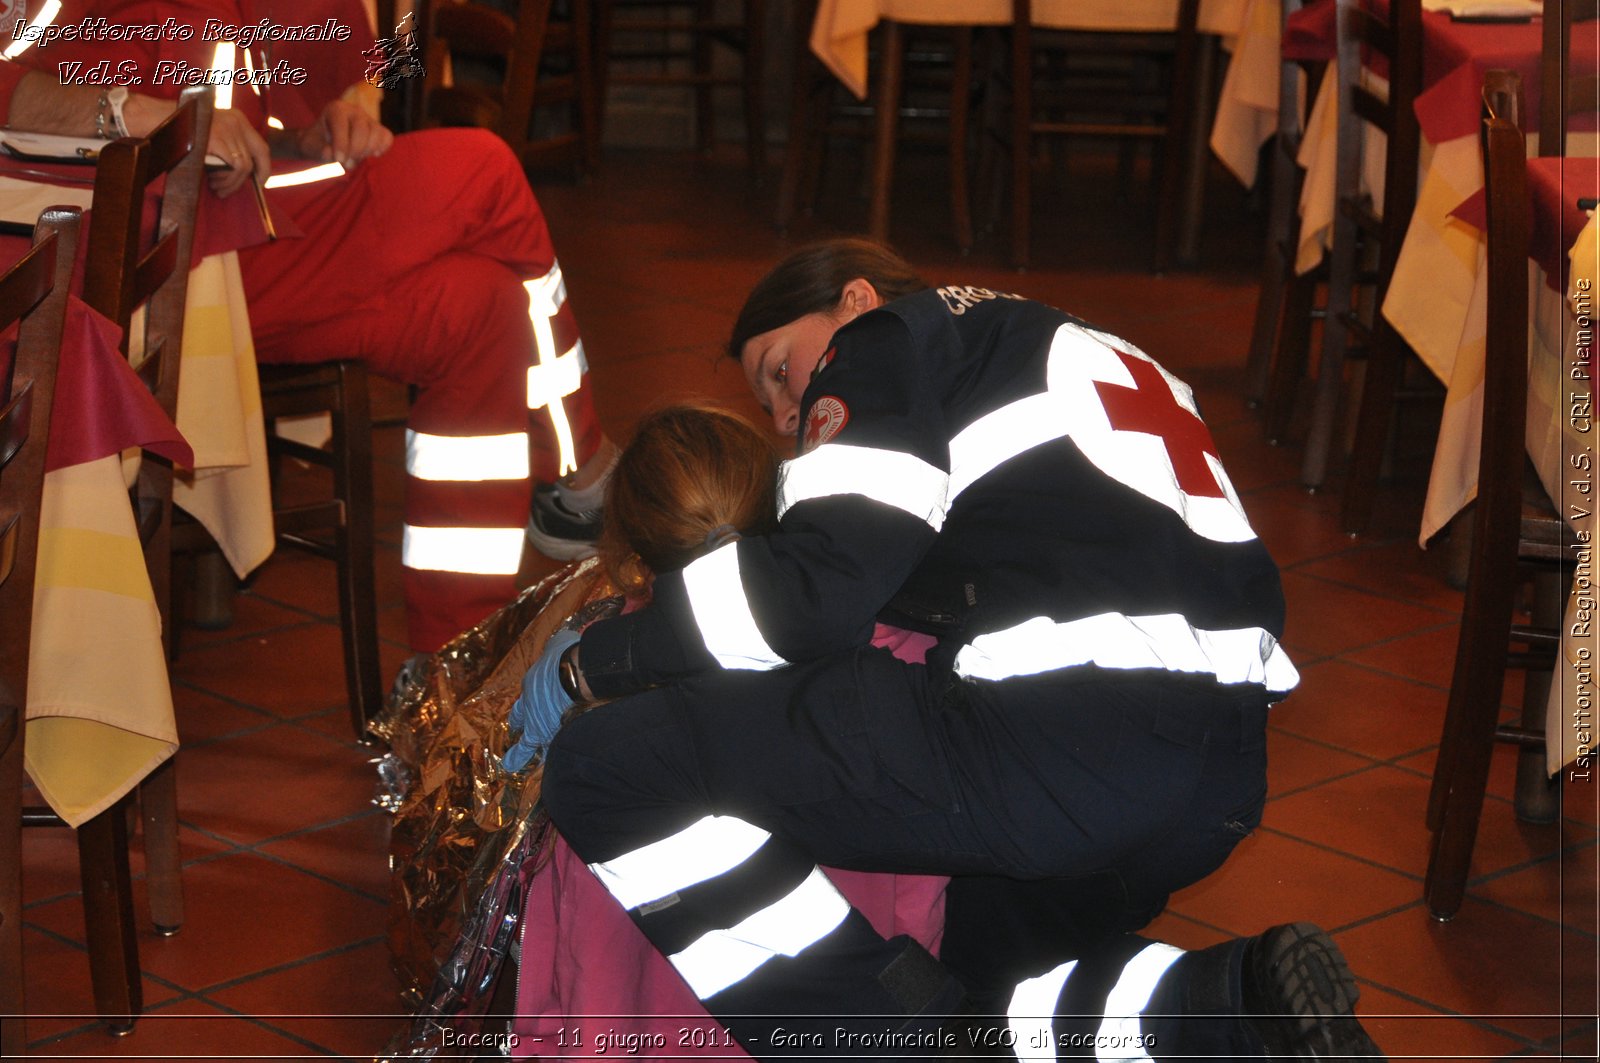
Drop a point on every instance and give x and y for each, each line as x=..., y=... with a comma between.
x=1438, y=295
x=99, y=704
x=840, y=30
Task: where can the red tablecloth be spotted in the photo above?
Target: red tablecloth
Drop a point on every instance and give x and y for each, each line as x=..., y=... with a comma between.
x=1554, y=188
x=1455, y=56
x=101, y=406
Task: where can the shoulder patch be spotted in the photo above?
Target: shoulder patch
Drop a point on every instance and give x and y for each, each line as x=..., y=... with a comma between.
x=825, y=419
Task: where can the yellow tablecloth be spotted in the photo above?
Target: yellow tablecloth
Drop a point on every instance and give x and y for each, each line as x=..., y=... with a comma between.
x=99, y=712
x=839, y=34
x=1437, y=302
x=1247, y=108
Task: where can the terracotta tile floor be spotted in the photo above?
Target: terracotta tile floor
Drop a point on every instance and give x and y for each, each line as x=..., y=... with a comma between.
x=286, y=864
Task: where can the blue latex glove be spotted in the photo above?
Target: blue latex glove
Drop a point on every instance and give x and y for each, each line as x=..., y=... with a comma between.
x=537, y=713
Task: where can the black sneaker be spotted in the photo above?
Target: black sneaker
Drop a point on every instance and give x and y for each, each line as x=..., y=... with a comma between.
x=1300, y=996
x=556, y=531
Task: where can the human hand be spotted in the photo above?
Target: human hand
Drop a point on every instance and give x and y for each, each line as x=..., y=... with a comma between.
x=236, y=142
x=344, y=134
x=537, y=713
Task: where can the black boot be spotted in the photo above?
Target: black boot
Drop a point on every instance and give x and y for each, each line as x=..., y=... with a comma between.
x=1300, y=997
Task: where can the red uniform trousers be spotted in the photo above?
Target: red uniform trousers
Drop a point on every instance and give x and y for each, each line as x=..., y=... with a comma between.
x=432, y=263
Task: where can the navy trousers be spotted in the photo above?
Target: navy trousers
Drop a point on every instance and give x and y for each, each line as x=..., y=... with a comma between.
x=1068, y=806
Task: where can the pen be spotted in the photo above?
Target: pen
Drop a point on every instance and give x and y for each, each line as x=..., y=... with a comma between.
x=261, y=205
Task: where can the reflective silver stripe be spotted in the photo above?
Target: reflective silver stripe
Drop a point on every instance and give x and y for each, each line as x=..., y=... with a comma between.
x=556, y=378
x=546, y=294
x=327, y=171
x=1112, y=640
x=1118, y=1038
x=1032, y=1011
x=222, y=63
x=701, y=851
x=1071, y=406
x=722, y=612
x=889, y=476
x=1001, y=435
x=804, y=916
x=467, y=458
x=47, y=14
x=557, y=373
x=475, y=551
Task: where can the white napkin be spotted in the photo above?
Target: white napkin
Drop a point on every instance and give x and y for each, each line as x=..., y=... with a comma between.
x=1485, y=8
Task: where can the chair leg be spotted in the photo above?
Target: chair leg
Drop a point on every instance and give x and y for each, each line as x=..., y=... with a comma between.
x=108, y=918
x=1175, y=174
x=1335, y=336
x=1197, y=161
x=755, y=108
x=1282, y=237
x=705, y=136
x=1289, y=362
x=358, y=617
x=1538, y=795
x=1021, y=141
x=1461, y=771
x=588, y=66
x=13, y=1037
x=1461, y=777
x=960, y=111
x=802, y=124
x=158, y=805
x=887, y=123
x=1385, y=364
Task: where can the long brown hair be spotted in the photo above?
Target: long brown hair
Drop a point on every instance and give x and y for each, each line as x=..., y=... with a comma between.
x=691, y=474
x=812, y=279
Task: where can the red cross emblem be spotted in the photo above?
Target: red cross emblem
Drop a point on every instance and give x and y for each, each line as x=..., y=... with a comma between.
x=1150, y=407
x=828, y=415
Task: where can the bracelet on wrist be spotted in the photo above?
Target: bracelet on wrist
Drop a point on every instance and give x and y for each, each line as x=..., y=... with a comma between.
x=567, y=671
x=109, y=122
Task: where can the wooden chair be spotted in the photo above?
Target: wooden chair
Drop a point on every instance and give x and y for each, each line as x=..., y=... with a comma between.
x=1513, y=524
x=1171, y=129
x=341, y=526
x=676, y=43
x=33, y=292
x=120, y=278
x=494, y=70
x=1284, y=310
x=1561, y=93
x=1367, y=236
x=929, y=78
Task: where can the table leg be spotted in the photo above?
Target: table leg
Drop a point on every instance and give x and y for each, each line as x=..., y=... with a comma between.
x=887, y=107
x=1194, y=189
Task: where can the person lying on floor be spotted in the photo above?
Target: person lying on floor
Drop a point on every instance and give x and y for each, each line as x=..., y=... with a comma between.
x=691, y=478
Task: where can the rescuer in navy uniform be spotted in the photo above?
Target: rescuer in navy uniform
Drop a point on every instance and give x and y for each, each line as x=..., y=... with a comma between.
x=1086, y=737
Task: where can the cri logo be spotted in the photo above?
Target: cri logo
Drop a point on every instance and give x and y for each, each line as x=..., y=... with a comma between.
x=827, y=416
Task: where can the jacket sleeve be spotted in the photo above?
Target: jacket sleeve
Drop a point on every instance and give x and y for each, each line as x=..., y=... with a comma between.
x=858, y=510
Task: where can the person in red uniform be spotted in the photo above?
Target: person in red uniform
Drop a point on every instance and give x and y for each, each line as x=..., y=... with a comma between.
x=426, y=255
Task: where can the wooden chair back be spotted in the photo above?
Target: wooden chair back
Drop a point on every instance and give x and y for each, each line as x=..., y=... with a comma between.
x=458, y=34
x=690, y=44
x=1561, y=93
x=1172, y=129
x=1362, y=36
x=121, y=276
x=1367, y=235
x=34, y=293
x=1512, y=523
